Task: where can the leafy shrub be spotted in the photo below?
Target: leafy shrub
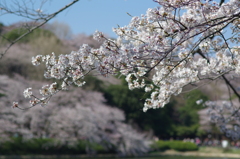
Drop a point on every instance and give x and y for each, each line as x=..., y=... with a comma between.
x=174, y=145
x=160, y=145
x=20, y=146
x=182, y=146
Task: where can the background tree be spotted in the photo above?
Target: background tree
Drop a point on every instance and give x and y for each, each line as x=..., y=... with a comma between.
x=79, y=117
x=179, y=119
x=131, y=102
x=188, y=121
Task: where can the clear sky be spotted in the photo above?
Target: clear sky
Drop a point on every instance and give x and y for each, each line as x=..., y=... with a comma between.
x=86, y=16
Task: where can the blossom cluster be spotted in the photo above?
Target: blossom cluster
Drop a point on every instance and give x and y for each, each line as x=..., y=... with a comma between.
x=172, y=46
x=226, y=115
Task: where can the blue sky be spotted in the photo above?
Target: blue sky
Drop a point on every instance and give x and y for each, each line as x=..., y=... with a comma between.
x=86, y=16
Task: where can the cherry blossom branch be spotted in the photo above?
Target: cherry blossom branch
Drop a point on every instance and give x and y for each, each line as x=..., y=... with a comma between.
x=160, y=44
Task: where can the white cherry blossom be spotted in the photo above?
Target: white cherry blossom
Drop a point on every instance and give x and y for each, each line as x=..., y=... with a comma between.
x=28, y=93
x=171, y=46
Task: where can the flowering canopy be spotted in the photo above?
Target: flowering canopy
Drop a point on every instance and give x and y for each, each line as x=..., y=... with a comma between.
x=174, y=45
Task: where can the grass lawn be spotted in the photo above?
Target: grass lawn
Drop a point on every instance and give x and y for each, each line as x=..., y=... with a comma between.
x=204, y=152
x=219, y=150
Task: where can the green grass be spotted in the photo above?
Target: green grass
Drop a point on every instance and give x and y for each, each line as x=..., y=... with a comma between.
x=205, y=149
x=232, y=150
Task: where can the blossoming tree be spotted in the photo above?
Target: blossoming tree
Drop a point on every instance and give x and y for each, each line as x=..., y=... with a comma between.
x=181, y=42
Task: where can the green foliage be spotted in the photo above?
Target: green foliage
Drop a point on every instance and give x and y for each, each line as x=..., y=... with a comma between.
x=93, y=83
x=160, y=145
x=174, y=145
x=188, y=113
x=171, y=121
x=187, y=131
x=20, y=146
x=16, y=33
x=2, y=95
x=132, y=102
x=187, y=124
x=183, y=146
